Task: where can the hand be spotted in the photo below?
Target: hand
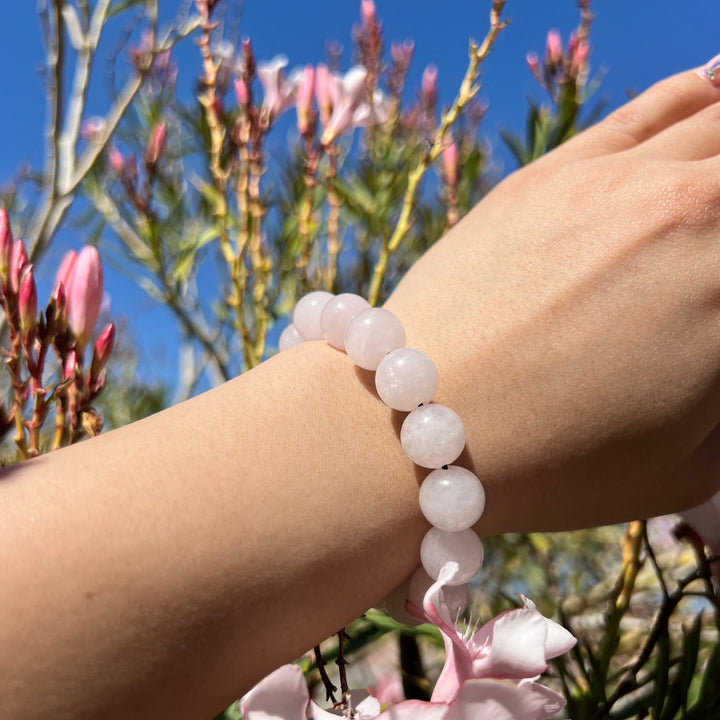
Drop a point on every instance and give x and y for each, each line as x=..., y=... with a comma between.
x=575, y=318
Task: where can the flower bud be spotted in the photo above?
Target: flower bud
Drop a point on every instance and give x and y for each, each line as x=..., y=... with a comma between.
x=242, y=94
x=156, y=144
x=580, y=55
x=367, y=13
x=306, y=89
x=85, y=294
x=428, y=83
x=323, y=92
x=450, y=164
x=103, y=349
x=117, y=161
x=18, y=261
x=6, y=244
x=27, y=300
x=71, y=363
x=553, y=46
x=64, y=272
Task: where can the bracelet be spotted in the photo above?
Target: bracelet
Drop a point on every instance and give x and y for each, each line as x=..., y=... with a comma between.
x=452, y=498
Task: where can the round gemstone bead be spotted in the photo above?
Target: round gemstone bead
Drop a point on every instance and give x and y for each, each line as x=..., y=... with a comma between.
x=432, y=436
x=289, y=337
x=456, y=597
x=337, y=314
x=394, y=606
x=406, y=378
x=371, y=335
x=452, y=499
x=464, y=548
x=306, y=317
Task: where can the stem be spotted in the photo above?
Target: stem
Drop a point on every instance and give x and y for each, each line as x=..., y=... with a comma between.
x=330, y=688
x=468, y=89
x=261, y=264
x=622, y=592
x=333, y=224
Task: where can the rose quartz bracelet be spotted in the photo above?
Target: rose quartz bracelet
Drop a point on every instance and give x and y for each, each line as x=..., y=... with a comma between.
x=452, y=498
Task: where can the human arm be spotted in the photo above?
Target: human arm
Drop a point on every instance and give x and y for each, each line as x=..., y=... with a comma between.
x=159, y=570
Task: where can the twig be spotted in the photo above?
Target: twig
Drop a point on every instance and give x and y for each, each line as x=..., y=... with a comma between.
x=330, y=688
x=468, y=89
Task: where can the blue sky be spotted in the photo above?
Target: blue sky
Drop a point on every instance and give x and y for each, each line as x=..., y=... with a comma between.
x=634, y=42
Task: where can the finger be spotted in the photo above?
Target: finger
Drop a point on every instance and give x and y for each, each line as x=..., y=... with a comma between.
x=694, y=138
x=658, y=108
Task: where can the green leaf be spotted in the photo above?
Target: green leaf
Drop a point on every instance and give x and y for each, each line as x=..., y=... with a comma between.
x=709, y=694
x=514, y=144
x=691, y=645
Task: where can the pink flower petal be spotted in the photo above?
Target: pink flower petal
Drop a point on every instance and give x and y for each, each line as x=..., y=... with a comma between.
x=496, y=700
x=515, y=645
x=553, y=702
x=416, y=710
x=282, y=695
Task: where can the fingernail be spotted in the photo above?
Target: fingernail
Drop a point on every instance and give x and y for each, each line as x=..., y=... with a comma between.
x=711, y=71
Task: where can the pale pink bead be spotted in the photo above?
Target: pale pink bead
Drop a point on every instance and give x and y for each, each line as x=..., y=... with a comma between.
x=289, y=337
x=371, y=335
x=306, y=317
x=456, y=597
x=337, y=314
x=394, y=605
x=432, y=436
x=464, y=548
x=452, y=499
x=406, y=378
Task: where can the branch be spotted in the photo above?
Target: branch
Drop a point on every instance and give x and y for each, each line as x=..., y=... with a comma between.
x=468, y=89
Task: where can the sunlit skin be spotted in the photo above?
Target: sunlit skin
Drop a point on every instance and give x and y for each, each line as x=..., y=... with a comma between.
x=158, y=571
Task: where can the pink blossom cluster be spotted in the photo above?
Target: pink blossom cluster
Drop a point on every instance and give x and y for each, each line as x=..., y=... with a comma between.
x=67, y=325
x=490, y=672
x=560, y=67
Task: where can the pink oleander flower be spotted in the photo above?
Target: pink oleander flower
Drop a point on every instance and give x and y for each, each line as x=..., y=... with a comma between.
x=553, y=46
x=514, y=645
x=84, y=289
x=18, y=261
x=350, y=105
x=283, y=695
x=475, y=681
x=305, y=94
x=279, y=92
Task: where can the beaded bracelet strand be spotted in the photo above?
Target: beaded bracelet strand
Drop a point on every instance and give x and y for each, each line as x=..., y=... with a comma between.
x=452, y=498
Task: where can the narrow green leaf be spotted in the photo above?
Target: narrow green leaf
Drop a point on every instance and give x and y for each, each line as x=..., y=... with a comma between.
x=691, y=645
x=709, y=694
x=514, y=144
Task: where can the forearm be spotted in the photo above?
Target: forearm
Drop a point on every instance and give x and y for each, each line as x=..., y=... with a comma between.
x=161, y=569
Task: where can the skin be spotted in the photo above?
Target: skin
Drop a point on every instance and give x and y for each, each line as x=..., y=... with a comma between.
x=160, y=570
